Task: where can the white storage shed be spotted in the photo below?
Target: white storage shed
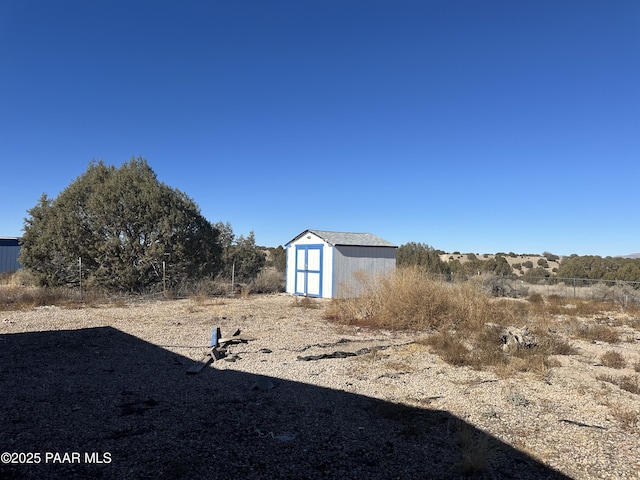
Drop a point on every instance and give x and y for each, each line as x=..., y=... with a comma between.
x=322, y=263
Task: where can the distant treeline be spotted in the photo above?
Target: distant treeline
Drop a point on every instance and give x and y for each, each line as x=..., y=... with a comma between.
x=575, y=266
x=598, y=268
x=421, y=254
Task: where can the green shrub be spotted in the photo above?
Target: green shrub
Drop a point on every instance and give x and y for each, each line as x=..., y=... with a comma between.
x=422, y=255
x=277, y=258
x=501, y=266
x=125, y=226
x=533, y=275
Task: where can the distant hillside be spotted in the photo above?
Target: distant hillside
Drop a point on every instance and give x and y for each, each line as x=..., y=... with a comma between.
x=633, y=255
x=519, y=263
x=593, y=267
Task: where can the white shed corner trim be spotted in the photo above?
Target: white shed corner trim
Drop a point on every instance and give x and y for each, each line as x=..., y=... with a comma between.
x=322, y=263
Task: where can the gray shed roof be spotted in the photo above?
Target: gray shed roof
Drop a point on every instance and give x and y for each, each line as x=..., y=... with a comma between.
x=10, y=241
x=347, y=238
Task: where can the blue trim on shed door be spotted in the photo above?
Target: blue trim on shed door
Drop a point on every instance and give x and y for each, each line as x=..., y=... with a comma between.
x=303, y=272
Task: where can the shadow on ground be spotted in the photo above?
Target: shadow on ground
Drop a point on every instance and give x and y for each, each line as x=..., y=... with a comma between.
x=129, y=410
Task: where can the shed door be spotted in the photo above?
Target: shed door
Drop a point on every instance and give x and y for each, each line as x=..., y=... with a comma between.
x=309, y=270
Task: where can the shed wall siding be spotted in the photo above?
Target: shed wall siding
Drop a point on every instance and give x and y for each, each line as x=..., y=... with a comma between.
x=351, y=259
x=9, y=258
x=328, y=266
x=290, y=277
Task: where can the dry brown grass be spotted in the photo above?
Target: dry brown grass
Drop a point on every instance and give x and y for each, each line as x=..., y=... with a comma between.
x=597, y=332
x=268, y=280
x=626, y=417
x=305, y=302
x=410, y=299
x=203, y=300
x=464, y=324
x=630, y=383
x=450, y=349
x=199, y=299
x=536, y=298
x=557, y=305
x=613, y=359
x=475, y=450
x=26, y=298
x=587, y=308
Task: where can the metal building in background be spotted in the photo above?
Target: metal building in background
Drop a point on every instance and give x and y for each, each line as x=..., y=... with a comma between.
x=9, y=253
x=326, y=264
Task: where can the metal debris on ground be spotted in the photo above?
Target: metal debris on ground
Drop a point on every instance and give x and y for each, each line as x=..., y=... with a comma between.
x=341, y=354
x=218, y=349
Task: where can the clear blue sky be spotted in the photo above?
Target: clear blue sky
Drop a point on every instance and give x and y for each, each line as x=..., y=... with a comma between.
x=470, y=125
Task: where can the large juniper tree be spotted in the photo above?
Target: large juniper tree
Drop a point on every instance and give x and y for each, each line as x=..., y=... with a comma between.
x=123, y=223
x=241, y=257
x=422, y=255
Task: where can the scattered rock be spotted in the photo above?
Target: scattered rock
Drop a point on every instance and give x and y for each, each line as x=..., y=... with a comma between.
x=518, y=399
x=514, y=338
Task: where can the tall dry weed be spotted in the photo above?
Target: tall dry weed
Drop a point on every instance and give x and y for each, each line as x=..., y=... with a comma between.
x=628, y=418
x=411, y=299
x=268, y=281
x=476, y=452
x=597, y=332
x=630, y=383
x=24, y=298
x=613, y=359
x=464, y=323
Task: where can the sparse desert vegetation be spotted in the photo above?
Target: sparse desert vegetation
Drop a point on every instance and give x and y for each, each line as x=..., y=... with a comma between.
x=553, y=377
x=467, y=327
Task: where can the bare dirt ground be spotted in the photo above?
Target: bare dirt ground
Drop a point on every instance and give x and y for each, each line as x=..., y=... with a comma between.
x=102, y=392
